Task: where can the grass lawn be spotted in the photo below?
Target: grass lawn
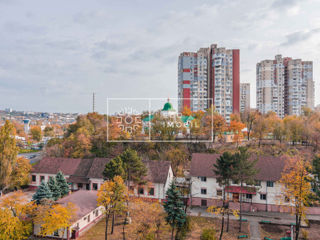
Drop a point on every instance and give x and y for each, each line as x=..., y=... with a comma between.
x=198, y=223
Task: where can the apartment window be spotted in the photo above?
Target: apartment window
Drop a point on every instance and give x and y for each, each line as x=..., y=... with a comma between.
x=34, y=178
x=95, y=186
x=41, y=178
x=203, y=179
x=270, y=184
x=203, y=191
x=141, y=191
x=219, y=192
x=151, y=191
x=263, y=196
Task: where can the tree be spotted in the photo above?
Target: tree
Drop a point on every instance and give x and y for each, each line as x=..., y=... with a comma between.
x=178, y=158
x=8, y=154
x=294, y=128
x=249, y=118
x=114, y=168
x=245, y=172
x=224, y=170
x=316, y=180
x=133, y=166
x=54, y=188
x=15, y=221
x=48, y=131
x=62, y=184
x=43, y=192
x=55, y=218
x=236, y=127
x=20, y=174
x=174, y=208
x=36, y=133
x=260, y=128
x=296, y=186
x=186, y=111
x=112, y=195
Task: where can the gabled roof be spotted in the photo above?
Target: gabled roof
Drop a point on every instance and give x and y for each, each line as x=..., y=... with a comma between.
x=270, y=167
x=157, y=170
x=53, y=165
x=78, y=169
x=85, y=202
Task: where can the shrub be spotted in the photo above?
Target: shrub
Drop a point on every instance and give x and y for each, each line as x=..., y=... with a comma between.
x=184, y=230
x=208, y=234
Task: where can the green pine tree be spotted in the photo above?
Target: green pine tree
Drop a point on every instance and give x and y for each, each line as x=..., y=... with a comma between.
x=43, y=192
x=224, y=169
x=174, y=209
x=245, y=172
x=62, y=184
x=114, y=168
x=54, y=188
x=133, y=166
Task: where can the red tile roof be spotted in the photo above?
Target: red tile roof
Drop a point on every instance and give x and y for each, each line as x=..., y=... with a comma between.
x=270, y=167
x=85, y=201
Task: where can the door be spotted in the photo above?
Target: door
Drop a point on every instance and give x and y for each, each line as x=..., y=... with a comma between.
x=235, y=197
x=203, y=203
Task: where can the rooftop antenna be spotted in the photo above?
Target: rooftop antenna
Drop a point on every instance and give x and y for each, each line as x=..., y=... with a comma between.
x=93, y=102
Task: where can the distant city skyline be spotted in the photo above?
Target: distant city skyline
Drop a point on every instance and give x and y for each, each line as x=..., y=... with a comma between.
x=55, y=54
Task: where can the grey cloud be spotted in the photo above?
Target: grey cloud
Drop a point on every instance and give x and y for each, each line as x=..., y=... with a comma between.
x=299, y=36
x=15, y=27
x=283, y=4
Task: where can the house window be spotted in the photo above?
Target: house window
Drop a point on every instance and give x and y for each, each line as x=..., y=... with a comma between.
x=203, y=202
x=203, y=191
x=56, y=233
x=219, y=192
x=141, y=191
x=257, y=183
x=87, y=186
x=88, y=218
x=203, y=179
x=235, y=182
x=151, y=191
x=97, y=212
x=80, y=185
x=249, y=196
x=41, y=178
x=286, y=199
x=50, y=177
x=131, y=189
x=263, y=196
x=34, y=178
x=95, y=186
x=270, y=184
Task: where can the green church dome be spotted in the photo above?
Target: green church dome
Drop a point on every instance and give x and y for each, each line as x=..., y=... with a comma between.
x=167, y=107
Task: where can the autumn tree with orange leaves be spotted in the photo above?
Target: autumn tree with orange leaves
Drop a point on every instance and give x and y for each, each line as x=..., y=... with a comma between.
x=296, y=180
x=236, y=127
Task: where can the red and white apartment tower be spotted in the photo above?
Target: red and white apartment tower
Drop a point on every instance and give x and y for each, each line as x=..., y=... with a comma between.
x=210, y=73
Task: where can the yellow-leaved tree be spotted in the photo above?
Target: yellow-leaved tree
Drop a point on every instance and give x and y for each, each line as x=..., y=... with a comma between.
x=15, y=217
x=296, y=181
x=55, y=218
x=113, y=196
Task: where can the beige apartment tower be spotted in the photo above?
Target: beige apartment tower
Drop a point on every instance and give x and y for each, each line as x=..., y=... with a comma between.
x=244, y=97
x=284, y=86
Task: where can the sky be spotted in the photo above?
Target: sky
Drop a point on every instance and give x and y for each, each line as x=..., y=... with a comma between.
x=55, y=54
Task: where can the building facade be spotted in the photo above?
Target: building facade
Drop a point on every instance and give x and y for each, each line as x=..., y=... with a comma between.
x=210, y=76
x=244, y=97
x=284, y=86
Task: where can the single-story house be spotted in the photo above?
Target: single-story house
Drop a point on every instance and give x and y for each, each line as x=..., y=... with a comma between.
x=87, y=214
x=87, y=174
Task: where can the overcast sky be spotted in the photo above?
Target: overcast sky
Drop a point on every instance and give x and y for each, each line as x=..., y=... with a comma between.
x=54, y=54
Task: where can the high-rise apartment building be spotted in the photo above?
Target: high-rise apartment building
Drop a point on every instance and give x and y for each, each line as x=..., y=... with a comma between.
x=284, y=86
x=244, y=97
x=210, y=73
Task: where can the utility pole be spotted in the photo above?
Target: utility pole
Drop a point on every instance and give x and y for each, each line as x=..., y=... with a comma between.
x=93, y=102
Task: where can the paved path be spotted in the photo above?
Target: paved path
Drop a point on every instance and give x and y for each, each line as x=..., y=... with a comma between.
x=254, y=229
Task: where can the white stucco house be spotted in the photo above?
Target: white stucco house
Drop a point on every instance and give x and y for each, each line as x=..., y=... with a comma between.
x=87, y=214
x=265, y=195
x=87, y=174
